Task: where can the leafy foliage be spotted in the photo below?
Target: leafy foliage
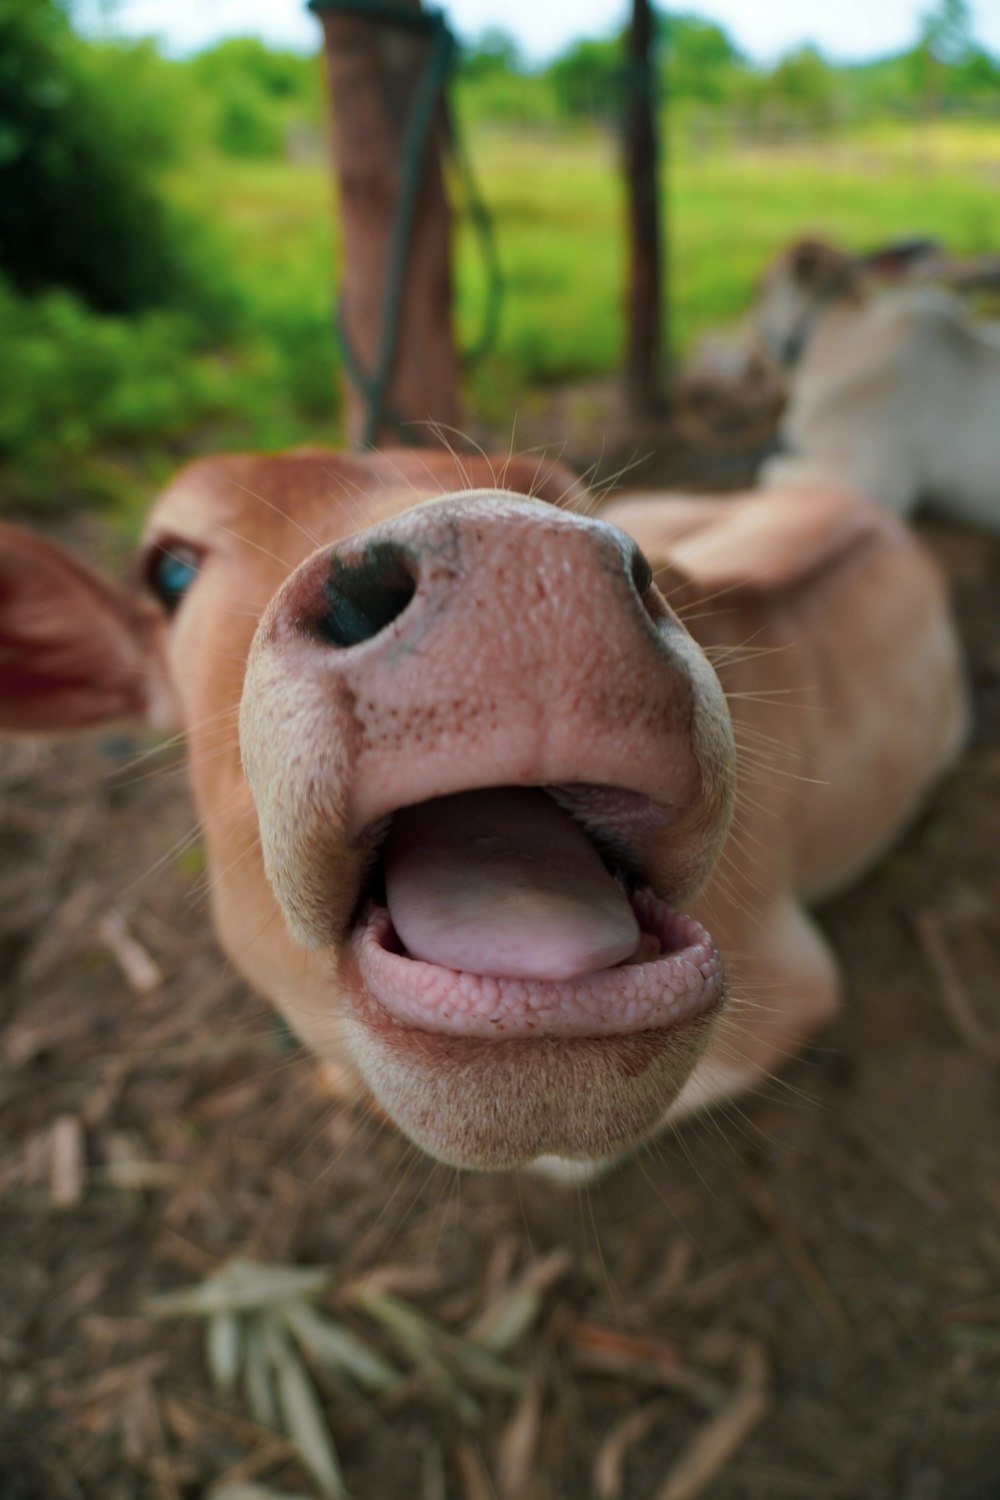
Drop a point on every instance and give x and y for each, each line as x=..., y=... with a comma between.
x=589, y=80
x=90, y=398
x=83, y=134
x=700, y=59
x=701, y=69
x=255, y=95
x=168, y=254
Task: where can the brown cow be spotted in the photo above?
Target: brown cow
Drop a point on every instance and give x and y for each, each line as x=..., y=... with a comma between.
x=462, y=769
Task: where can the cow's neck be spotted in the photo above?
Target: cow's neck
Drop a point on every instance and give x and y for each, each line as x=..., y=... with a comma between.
x=834, y=320
x=826, y=311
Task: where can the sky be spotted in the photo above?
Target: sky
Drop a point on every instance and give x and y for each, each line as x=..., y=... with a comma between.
x=846, y=30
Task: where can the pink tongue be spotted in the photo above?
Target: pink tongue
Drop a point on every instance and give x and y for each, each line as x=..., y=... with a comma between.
x=503, y=882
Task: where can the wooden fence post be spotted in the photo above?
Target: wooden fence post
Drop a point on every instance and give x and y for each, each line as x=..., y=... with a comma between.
x=377, y=56
x=643, y=355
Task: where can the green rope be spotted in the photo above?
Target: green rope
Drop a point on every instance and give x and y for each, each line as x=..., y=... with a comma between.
x=482, y=225
x=374, y=386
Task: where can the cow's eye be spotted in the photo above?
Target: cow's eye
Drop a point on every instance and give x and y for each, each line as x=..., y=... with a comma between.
x=171, y=571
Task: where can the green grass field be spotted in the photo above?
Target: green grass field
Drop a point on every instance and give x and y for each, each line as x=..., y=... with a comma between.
x=122, y=401
x=559, y=209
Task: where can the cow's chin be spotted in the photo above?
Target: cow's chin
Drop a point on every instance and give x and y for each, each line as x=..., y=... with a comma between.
x=489, y=1106
x=491, y=1102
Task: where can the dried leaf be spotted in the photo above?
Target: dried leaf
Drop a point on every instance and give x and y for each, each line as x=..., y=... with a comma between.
x=609, y=1464
x=954, y=996
x=401, y=1318
x=471, y=1471
x=224, y=1344
x=67, y=1166
x=257, y=1377
x=517, y=1450
x=479, y=1366
x=499, y=1326
x=303, y=1415
x=645, y=1361
x=252, y=1492
x=421, y=1340
x=340, y=1350
x=715, y=1443
x=428, y=1341
x=241, y=1286
x=434, y=1484
x=141, y=971
x=138, y=1176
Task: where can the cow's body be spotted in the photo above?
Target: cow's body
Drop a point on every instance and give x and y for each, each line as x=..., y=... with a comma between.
x=501, y=663
x=845, y=691
x=895, y=393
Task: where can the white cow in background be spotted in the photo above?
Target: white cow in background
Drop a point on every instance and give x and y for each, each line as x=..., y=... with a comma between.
x=895, y=393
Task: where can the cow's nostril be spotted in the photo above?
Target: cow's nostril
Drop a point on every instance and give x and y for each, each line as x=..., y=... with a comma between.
x=365, y=594
x=642, y=573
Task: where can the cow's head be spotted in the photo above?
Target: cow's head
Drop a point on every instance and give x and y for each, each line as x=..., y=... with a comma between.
x=794, y=291
x=458, y=766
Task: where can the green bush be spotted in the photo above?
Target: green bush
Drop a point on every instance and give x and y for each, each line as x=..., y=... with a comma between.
x=243, y=125
x=76, y=379
x=273, y=74
x=86, y=393
x=83, y=135
x=589, y=80
x=254, y=94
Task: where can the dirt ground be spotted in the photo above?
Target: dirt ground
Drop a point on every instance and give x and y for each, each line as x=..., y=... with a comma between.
x=800, y=1298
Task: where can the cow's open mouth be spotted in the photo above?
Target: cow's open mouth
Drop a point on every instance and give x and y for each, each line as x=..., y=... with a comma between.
x=518, y=912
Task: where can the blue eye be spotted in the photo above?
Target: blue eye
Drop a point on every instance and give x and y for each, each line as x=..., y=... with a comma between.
x=172, y=570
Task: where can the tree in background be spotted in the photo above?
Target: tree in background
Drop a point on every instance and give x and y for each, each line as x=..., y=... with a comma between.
x=255, y=94
x=492, y=81
x=588, y=79
x=711, y=81
x=947, y=68
x=946, y=32
x=494, y=51
x=83, y=132
x=801, y=91
x=698, y=58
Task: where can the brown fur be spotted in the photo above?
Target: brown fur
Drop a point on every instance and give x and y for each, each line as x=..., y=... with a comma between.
x=827, y=625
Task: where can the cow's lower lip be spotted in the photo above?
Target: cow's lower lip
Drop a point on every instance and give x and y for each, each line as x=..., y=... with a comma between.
x=685, y=980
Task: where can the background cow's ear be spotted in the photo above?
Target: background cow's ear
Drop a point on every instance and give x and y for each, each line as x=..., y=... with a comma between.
x=758, y=544
x=820, y=269
x=77, y=650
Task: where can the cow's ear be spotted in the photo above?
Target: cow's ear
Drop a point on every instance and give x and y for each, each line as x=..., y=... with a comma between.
x=77, y=650
x=754, y=545
x=818, y=267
